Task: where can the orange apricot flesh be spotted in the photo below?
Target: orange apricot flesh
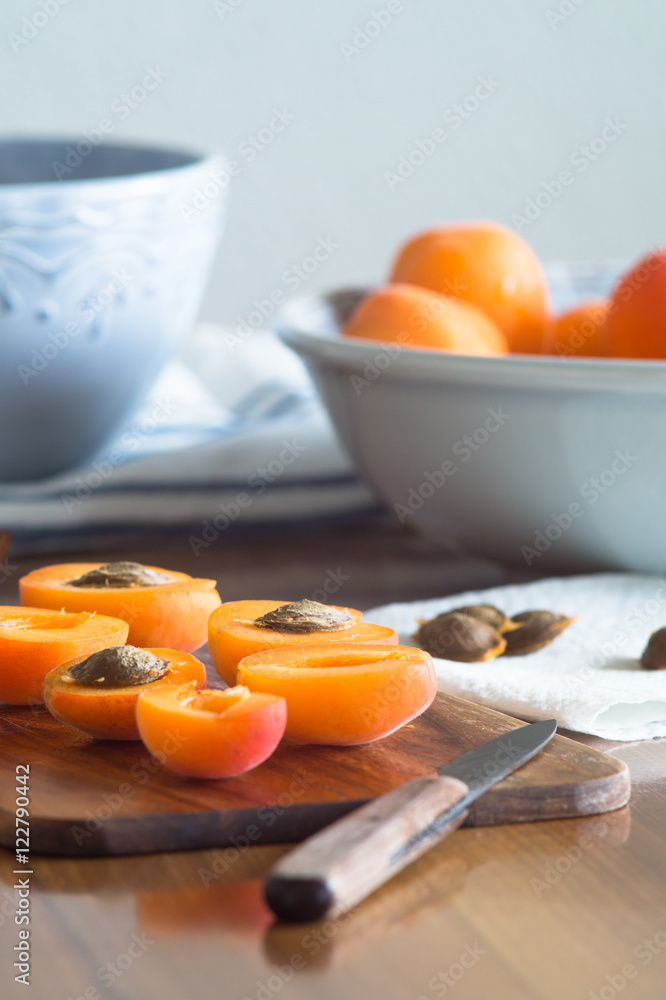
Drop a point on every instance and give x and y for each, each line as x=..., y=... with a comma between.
x=416, y=317
x=110, y=713
x=232, y=634
x=173, y=615
x=33, y=641
x=344, y=693
x=221, y=733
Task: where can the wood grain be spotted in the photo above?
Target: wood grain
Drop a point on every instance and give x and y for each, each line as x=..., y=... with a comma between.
x=540, y=911
x=93, y=797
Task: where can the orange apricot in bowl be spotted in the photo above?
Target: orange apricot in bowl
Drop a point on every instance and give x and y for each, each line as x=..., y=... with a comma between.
x=222, y=733
x=416, y=317
x=33, y=641
x=580, y=331
x=343, y=693
x=161, y=606
x=636, y=326
x=488, y=265
x=233, y=632
x=106, y=710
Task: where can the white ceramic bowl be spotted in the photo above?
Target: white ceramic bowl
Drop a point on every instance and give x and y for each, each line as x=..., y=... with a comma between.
x=537, y=461
x=104, y=255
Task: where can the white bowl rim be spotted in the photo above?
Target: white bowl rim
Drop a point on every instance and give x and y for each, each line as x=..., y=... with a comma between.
x=296, y=325
x=200, y=161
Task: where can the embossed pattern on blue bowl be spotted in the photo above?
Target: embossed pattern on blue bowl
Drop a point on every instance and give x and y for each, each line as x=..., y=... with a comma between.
x=101, y=275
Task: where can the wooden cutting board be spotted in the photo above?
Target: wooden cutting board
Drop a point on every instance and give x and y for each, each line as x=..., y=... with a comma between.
x=89, y=797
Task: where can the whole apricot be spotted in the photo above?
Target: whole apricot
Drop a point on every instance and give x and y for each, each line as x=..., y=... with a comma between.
x=485, y=264
x=580, y=331
x=416, y=317
x=636, y=325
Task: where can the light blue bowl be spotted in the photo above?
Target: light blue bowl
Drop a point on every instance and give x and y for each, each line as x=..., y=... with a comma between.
x=105, y=252
x=554, y=464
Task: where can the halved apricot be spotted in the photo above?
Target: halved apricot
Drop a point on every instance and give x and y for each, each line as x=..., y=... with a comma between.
x=172, y=614
x=232, y=634
x=35, y=640
x=221, y=733
x=343, y=693
x=109, y=713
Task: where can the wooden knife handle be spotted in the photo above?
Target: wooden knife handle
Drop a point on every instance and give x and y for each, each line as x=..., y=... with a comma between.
x=343, y=863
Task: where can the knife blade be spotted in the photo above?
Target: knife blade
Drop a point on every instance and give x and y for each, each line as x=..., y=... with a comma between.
x=342, y=864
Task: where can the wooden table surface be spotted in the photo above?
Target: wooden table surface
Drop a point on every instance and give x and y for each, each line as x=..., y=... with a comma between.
x=558, y=910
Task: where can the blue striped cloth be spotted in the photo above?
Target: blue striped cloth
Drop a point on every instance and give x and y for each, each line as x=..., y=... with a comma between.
x=226, y=437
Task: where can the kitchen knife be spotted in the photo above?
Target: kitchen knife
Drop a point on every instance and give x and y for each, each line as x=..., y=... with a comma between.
x=346, y=861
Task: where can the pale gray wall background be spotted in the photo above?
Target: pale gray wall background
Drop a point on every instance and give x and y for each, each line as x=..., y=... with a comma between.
x=562, y=68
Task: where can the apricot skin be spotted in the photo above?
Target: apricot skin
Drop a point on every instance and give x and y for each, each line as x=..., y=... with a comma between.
x=173, y=615
x=488, y=265
x=581, y=331
x=222, y=733
x=417, y=317
x=636, y=325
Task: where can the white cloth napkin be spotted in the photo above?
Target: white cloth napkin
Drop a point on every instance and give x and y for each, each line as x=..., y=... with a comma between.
x=588, y=678
x=231, y=432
